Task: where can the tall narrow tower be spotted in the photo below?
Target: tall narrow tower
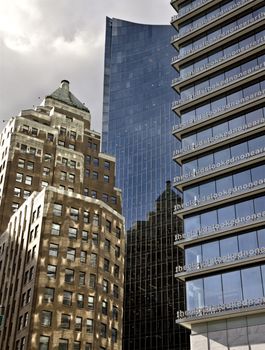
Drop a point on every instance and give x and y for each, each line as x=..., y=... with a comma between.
x=221, y=123
x=61, y=232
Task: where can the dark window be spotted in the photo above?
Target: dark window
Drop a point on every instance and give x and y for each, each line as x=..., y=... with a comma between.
x=65, y=321
x=46, y=318
x=69, y=276
x=67, y=298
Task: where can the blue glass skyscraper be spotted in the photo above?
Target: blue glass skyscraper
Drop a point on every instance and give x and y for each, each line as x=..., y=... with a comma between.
x=137, y=129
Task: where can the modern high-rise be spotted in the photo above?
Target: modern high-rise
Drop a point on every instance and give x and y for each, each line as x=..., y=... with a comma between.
x=137, y=124
x=61, y=232
x=220, y=120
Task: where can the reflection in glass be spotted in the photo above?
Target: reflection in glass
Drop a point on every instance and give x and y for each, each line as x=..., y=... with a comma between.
x=232, y=286
x=213, y=290
x=194, y=290
x=252, y=285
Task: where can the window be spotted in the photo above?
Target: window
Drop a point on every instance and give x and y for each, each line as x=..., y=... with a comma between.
x=93, y=194
x=50, y=137
x=19, y=177
x=28, y=296
x=67, y=298
x=23, y=148
x=84, y=236
x=63, y=344
x=47, y=157
x=44, y=342
x=86, y=217
x=106, y=178
x=86, y=192
x=17, y=192
x=105, y=286
x=72, y=135
x=53, y=249
x=106, y=265
x=72, y=164
x=65, y=321
x=95, y=239
x=71, y=146
x=63, y=175
x=107, y=245
x=93, y=260
x=72, y=233
x=114, y=335
x=115, y=291
x=48, y=296
x=113, y=200
x=20, y=322
x=92, y=281
x=89, y=325
x=105, y=197
x=94, y=146
x=76, y=345
x=94, y=175
x=15, y=207
x=95, y=220
x=82, y=278
x=26, y=194
x=57, y=209
x=64, y=161
x=30, y=166
x=88, y=159
x=70, y=255
x=82, y=256
x=23, y=299
x=55, y=229
x=71, y=177
x=23, y=343
x=104, y=307
x=34, y=131
x=21, y=163
x=90, y=302
x=96, y=161
x=106, y=164
x=117, y=251
x=115, y=313
x=80, y=300
x=61, y=143
x=32, y=150
x=62, y=131
x=74, y=214
x=103, y=330
x=88, y=346
x=108, y=225
x=116, y=271
x=69, y=276
x=44, y=184
x=51, y=271
x=118, y=232
x=46, y=318
x=26, y=319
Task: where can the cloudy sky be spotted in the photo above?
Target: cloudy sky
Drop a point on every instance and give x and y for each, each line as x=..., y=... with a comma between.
x=45, y=41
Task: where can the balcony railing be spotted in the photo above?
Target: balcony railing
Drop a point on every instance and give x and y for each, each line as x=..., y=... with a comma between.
x=203, y=144
x=240, y=306
x=218, y=39
x=219, y=261
x=226, y=227
x=220, y=86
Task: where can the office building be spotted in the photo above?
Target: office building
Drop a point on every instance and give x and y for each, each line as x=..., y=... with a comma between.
x=220, y=121
x=137, y=124
x=62, y=232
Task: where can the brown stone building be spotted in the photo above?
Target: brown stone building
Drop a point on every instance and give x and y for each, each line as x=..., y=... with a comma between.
x=61, y=232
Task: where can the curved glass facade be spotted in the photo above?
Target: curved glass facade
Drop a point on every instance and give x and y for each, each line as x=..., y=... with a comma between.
x=137, y=125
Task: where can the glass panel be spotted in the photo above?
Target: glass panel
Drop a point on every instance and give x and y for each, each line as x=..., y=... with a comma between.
x=194, y=294
x=224, y=184
x=192, y=224
x=231, y=286
x=252, y=285
x=226, y=213
x=228, y=246
x=247, y=241
x=209, y=218
x=261, y=237
x=193, y=255
x=210, y=250
x=213, y=290
x=259, y=204
x=244, y=209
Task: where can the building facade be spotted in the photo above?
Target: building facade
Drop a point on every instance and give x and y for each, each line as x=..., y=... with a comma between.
x=62, y=233
x=137, y=124
x=220, y=122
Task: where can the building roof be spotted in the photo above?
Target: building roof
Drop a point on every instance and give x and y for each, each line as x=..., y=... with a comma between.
x=63, y=94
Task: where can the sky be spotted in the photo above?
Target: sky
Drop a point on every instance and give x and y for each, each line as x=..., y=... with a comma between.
x=45, y=41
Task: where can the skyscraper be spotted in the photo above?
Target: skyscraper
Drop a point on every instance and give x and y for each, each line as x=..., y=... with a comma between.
x=62, y=234
x=220, y=121
x=137, y=124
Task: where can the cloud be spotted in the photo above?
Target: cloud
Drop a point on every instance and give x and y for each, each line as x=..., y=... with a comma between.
x=45, y=41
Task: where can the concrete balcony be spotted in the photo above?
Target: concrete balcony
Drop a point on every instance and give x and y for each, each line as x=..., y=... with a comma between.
x=219, y=40
x=214, y=313
x=220, y=140
x=215, y=66
x=219, y=18
x=222, y=87
x=218, y=264
x=225, y=197
x=223, y=167
x=219, y=114
x=220, y=230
